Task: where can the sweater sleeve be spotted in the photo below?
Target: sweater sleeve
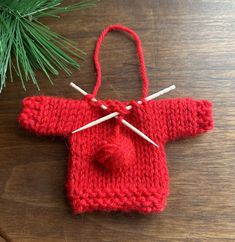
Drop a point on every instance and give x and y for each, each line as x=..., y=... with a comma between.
x=49, y=115
x=186, y=117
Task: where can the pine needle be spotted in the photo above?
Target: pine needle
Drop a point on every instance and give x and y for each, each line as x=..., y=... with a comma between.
x=27, y=45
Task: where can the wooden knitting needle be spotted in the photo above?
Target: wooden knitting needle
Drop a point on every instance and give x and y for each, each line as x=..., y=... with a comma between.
x=127, y=124
x=84, y=93
x=114, y=114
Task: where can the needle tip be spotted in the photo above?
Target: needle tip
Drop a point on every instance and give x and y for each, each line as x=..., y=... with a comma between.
x=155, y=145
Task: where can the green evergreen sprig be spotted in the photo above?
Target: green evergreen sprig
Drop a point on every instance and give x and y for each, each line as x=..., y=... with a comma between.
x=27, y=45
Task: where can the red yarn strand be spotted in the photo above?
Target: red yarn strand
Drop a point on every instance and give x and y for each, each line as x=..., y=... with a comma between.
x=139, y=52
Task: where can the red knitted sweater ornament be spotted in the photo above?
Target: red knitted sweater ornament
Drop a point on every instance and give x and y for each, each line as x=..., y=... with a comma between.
x=110, y=167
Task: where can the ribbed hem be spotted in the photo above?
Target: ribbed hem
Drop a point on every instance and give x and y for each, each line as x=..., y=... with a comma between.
x=126, y=200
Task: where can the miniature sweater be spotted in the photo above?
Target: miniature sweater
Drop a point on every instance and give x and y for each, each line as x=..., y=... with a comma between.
x=142, y=183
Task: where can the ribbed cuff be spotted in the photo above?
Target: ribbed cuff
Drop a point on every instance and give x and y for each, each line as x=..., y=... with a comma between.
x=204, y=116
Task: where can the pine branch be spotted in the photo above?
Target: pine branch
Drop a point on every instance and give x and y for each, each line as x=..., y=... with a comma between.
x=31, y=44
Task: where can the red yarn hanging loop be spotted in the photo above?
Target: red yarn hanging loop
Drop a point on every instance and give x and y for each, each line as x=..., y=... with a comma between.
x=139, y=52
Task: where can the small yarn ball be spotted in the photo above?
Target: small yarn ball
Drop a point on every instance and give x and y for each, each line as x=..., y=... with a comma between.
x=116, y=153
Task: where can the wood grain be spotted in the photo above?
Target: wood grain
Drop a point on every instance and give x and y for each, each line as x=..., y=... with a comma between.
x=187, y=43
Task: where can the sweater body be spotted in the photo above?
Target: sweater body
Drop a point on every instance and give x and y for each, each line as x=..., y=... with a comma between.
x=143, y=186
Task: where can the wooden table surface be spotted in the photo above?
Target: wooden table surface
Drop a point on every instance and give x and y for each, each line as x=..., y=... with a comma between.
x=187, y=43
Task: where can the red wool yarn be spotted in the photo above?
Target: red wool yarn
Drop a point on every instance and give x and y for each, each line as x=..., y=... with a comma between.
x=115, y=154
x=110, y=167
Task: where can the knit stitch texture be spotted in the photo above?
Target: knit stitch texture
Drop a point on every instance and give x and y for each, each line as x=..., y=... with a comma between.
x=144, y=185
x=110, y=167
